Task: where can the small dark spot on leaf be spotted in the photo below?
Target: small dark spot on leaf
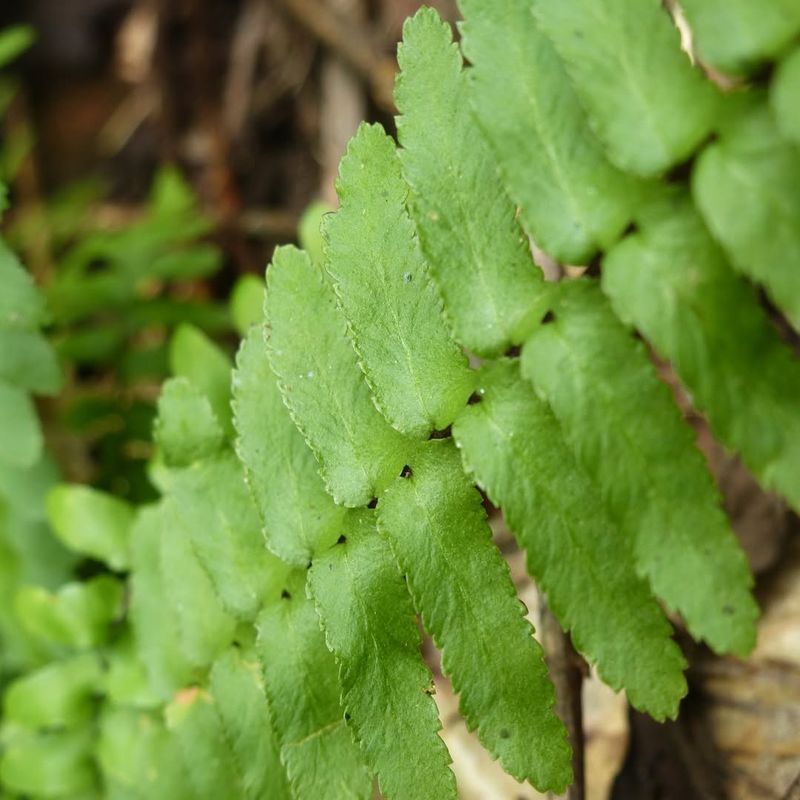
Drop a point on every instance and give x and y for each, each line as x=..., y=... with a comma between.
x=429, y=690
x=442, y=434
x=548, y=318
x=513, y=352
x=308, y=566
x=341, y=540
x=474, y=399
x=632, y=228
x=680, y=173
x=346, y=716
x=96, y=265
x=285, y=595
x=406, y=472
x=372, y=503
x=408, y=277
x=505, y=733
x=727, y=609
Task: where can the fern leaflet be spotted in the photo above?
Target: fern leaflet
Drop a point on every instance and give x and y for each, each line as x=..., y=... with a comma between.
x=515, y=448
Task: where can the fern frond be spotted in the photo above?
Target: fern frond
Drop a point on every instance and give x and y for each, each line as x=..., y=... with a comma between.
x=672, y=281
x=208, y=759
x=514, y=446
x=58, y=695
x=77, y=616
x=50, y=764
x=22, y=306
x=745, y=185
x=322, y=384
x=92, y=523
x=19, y=427
x=138, y=758
x=321, y=759
x=193, y=356
x=186, y=428
x=437, y=528
x=368, y=619
x=152, y=616
x=646, y=102
x=623, y=426
x=476, y=249
x=298, y=517
x=735, y=36
x=209, y=506
x=783, y=94
x=572, y=200
x=204, y=626
x=237, y=688
x=27, y=363
x=417, y=373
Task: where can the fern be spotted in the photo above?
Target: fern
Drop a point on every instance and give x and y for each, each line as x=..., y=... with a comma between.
x=417, y=374
x=651, y=477
x=735, y=35
x=649, y=107
x=672, y=281
x=368, y=618
x=571, y=198
x=475, y=248
x=744, y=185
x=270, y=646
x=27, y=363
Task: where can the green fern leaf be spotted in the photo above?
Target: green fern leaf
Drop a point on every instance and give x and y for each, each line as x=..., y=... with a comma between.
x=784, y=91
x=438, y=531
x=368, y=619
x=628, y=436
x=476, y=249
x=92, y=523
x=179, y=621
x=21, y=304
x=138, y=758
x=186, y=428
x=53, y=764
x=152, y=616
x=646, y=102
x=298, y=515
x=192, y=355
x=572, y=200
x=208, y=759
x=321, y=759
x=204, y=627
x=418, y=375
x=58, y=695
x=210, y=507
x=745, y=185
x=247, y=303
x=78, y=615
x=673, y=283
x=19, y=428
x=736, y=35
x=27, y=360
x=322, y=384
x=236, y=685
x=515, y=447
